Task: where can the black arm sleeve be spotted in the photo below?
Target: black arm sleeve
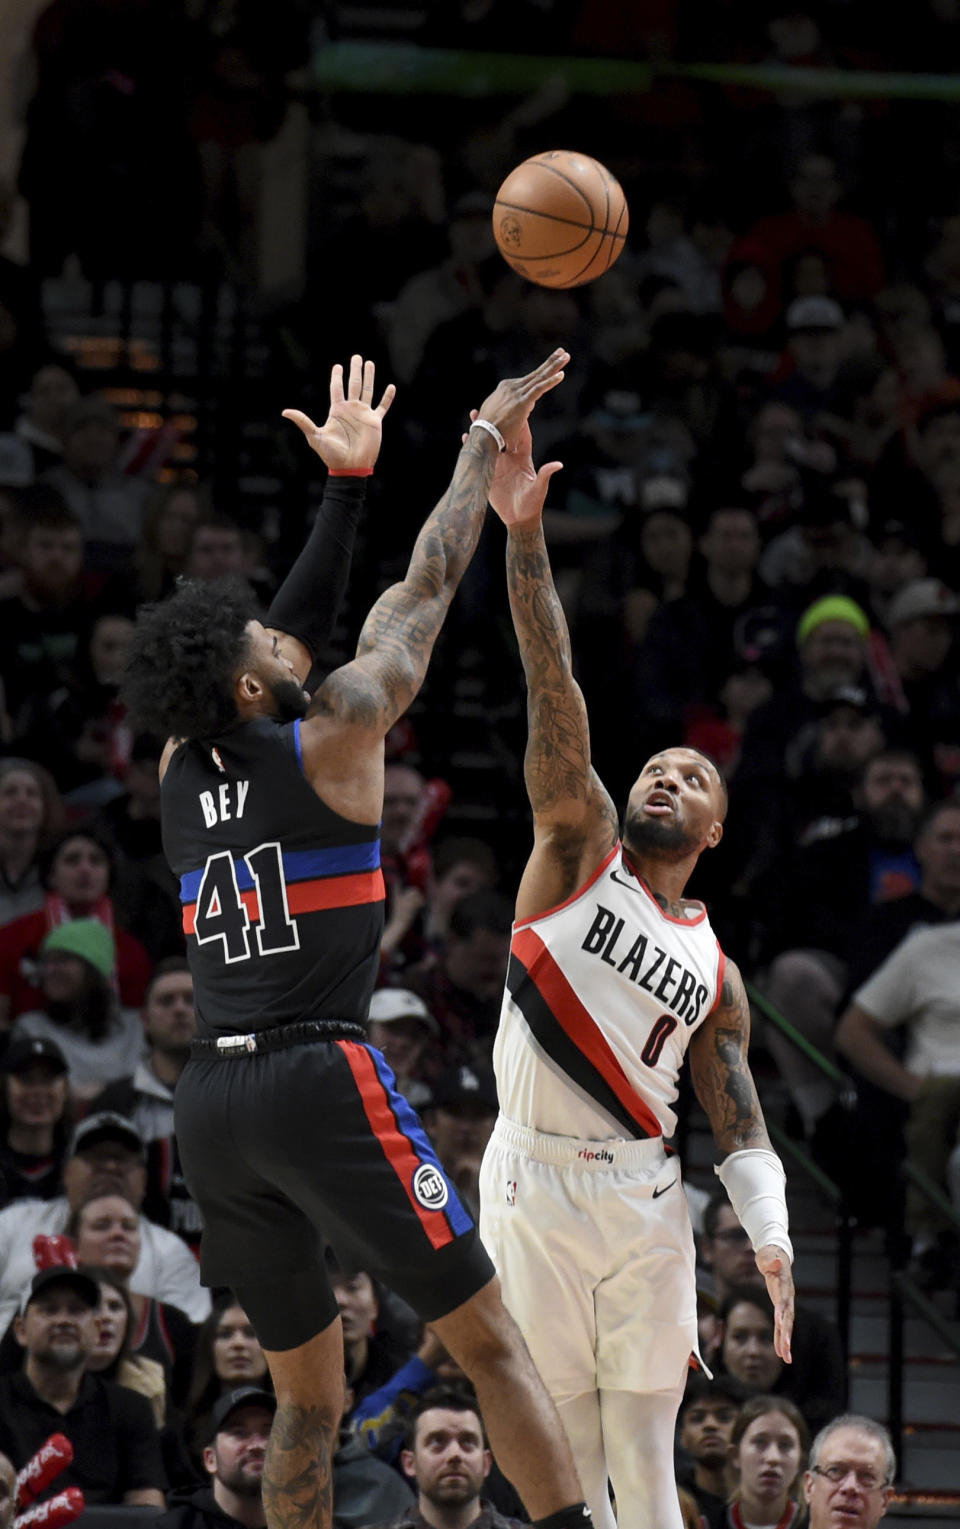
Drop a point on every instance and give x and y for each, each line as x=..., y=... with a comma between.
x=308, y=601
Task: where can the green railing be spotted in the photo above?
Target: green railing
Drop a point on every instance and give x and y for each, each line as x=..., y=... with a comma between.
x=402, y=68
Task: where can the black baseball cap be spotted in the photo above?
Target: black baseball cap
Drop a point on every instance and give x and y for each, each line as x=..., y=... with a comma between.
x=61, y=1274
x=459, y=1086
x=243, y=1396
x=22, y=1050
x=105, y=1125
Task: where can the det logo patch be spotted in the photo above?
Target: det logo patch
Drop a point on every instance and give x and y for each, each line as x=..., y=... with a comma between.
x=430, y=1187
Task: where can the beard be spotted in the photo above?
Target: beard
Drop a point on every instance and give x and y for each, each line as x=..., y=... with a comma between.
x=452, y=1494
x=242, y=1480
x=61, y=1357
x=895, y=822
x=290, y=701
x=657, y=838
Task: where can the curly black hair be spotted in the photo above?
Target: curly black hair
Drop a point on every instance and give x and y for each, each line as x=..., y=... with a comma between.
x=185, y=654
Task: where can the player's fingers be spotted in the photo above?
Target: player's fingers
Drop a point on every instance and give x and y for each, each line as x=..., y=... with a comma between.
x=366, y=382
x=389, y=394
x=336, y=384
x=474, y=414
x=784, y=1326
x=547, y=471
x=355, y=385
x=302, y=421
x=555, y=362
x=543, y=386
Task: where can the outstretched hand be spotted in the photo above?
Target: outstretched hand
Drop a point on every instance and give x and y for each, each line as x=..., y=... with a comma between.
x=349, y=438
x=510, y=404
x=774, y=1265
x=518, y=491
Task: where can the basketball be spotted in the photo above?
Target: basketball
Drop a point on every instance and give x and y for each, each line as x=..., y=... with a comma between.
x=560, y=219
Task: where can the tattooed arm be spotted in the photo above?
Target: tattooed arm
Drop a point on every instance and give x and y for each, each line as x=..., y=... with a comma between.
x=721, y=1072
x=575, y=822
x=355, y=707
x=721, y=1077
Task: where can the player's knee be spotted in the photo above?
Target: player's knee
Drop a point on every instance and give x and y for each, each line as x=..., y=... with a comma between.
x=481, y=1334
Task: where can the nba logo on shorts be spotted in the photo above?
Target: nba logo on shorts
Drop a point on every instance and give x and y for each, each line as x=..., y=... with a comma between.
x=511, y=1191
x=430, y=1187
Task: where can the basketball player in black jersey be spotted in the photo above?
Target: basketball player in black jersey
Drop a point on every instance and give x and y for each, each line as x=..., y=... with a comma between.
x=290, y=1129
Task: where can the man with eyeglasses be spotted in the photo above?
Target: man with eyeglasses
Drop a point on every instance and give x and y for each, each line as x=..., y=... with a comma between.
x=849, y=1478
x=817, y=1378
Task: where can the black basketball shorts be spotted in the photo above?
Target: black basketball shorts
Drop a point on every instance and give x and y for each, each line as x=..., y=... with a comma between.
x=287, y=1150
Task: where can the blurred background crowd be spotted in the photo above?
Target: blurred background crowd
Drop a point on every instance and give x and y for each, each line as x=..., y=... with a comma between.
x=756, y=537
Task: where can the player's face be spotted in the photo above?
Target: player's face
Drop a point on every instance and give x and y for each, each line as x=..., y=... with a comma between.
x=706, y=1430
x=675, y=807
x=448, y=1461
x=286, y=699
x=769, y=1457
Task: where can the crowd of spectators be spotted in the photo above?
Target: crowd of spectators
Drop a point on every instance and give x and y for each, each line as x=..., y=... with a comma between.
x=756, y=537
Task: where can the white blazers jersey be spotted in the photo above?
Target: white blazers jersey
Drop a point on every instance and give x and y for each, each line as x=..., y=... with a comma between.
x=603, y=994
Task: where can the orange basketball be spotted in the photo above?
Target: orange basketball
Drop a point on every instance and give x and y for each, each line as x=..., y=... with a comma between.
x=560, y=219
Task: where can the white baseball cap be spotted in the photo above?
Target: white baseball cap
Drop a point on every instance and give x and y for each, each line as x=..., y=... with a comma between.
x=390, y=1003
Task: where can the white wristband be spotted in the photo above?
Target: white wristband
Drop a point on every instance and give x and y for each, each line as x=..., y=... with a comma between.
x=755, y=1183
x=484, y=424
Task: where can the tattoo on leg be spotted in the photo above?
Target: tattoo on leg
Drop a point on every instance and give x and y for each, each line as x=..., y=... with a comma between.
x=297, y=1471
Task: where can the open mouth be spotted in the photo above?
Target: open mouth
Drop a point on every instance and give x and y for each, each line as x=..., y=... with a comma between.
x=659, y=803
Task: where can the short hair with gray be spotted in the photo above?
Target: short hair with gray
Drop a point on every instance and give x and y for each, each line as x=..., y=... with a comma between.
x=866, y=1425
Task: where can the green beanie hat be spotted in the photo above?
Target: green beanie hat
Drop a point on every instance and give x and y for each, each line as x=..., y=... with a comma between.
x=832, y=608
x=87, y=938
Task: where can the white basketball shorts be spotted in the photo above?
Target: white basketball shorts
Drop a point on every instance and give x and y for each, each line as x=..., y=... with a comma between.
x=594, y=1249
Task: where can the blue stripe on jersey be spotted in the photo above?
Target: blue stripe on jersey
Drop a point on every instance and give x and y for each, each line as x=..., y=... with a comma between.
x=298, y=865
x=409, y=1122
x=298, y=743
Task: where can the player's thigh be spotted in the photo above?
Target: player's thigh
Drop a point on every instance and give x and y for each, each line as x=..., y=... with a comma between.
x=543, y=1245
x=351, y=1153
x=646, y=1305
x=252, y=1231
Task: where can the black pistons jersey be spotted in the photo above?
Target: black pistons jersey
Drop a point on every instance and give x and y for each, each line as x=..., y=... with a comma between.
x=282, y=898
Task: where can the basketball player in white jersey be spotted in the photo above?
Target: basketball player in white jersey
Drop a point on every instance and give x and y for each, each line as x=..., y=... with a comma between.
x=614, y=978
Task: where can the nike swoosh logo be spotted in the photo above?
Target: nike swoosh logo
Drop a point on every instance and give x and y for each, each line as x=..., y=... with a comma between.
x=658, y=1192
x=631, y=886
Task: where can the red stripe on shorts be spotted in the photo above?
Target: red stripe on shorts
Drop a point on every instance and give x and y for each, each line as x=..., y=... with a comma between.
x=577, y=1022
x=396, y=1148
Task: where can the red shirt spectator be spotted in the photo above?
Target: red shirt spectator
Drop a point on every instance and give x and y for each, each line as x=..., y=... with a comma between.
x=78, y=871
x=847, y=242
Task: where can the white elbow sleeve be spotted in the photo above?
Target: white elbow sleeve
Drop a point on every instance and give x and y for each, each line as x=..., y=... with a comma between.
x=756, y=1183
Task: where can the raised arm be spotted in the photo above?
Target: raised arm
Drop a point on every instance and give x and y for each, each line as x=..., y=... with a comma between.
x=575, y=822
x=304, y=609
x=751, y=1172
x=369, y=694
